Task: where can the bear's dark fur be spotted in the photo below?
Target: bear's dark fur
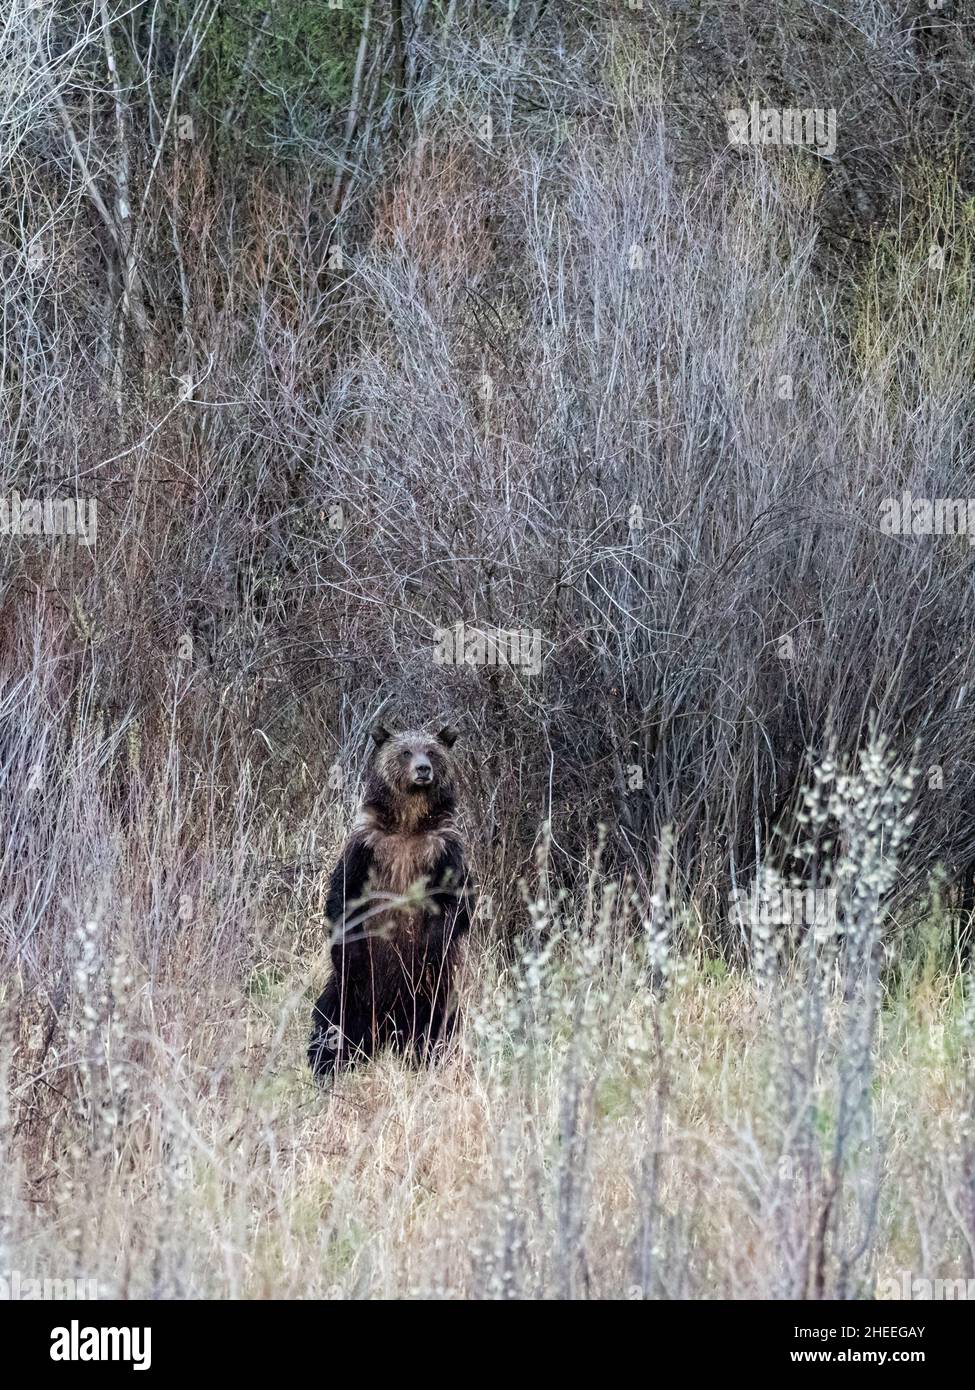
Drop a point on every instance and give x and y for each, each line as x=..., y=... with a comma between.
x=397, y=908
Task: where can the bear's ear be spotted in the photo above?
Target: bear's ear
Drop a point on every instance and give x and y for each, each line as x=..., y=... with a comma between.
x=379, y=734
x=448, y=736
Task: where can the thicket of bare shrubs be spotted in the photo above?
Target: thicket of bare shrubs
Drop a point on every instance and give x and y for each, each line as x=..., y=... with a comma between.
x=510, y=335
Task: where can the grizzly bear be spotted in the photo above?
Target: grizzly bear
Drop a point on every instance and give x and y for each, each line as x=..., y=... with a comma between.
x=397, y=909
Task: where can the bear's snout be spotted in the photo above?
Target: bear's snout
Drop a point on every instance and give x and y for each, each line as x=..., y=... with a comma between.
x=422, y=772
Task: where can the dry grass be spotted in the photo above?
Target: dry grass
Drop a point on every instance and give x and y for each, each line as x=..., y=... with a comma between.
x=530, y=1165
x=802, y=1130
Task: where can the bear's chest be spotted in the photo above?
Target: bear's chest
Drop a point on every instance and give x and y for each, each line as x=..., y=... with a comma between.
x=400, y=861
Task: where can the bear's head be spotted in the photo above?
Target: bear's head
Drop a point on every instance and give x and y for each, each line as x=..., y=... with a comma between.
x=412, y=775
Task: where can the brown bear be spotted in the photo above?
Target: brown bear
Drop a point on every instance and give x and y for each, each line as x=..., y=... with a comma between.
x=397, y=909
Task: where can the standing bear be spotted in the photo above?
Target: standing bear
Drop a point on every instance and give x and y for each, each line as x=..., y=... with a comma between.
x=397, y=908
